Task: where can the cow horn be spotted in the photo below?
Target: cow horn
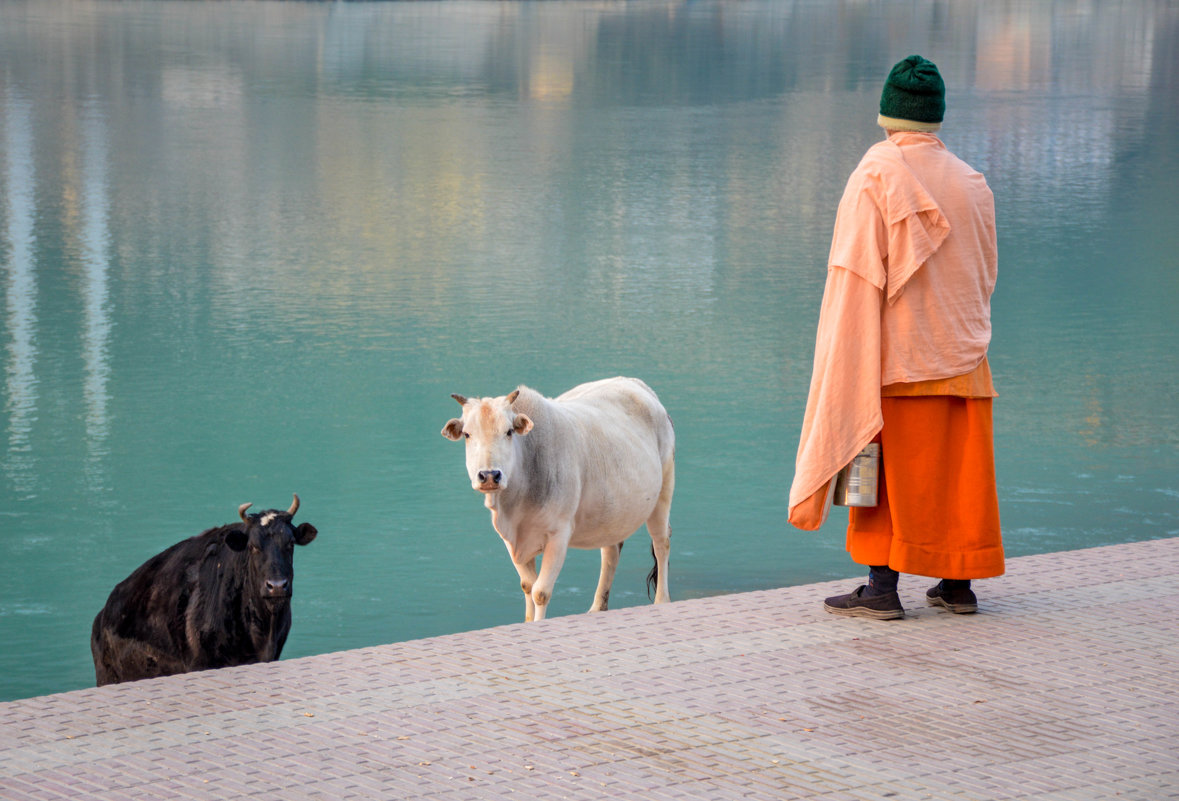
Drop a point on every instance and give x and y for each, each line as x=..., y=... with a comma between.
x=462, y=401
x=294, y=505
x=241, y=512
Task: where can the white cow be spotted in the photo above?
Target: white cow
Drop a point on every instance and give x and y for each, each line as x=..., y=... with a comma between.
x=585, y=469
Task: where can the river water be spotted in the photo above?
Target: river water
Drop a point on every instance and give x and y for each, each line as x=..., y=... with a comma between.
x=249, y=249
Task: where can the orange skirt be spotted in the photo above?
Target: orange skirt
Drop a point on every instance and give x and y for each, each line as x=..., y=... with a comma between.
x=938, y=509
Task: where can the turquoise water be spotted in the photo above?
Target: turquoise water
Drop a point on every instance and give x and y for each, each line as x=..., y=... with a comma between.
x=249, y=249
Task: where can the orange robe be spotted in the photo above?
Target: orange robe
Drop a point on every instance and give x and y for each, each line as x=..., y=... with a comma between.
x=937, y=512
x=912, y=267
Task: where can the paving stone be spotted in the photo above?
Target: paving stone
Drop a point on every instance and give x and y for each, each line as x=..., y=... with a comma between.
x=1061, y=687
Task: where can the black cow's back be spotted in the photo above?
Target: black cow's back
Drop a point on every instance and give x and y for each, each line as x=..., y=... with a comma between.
x=140, y=632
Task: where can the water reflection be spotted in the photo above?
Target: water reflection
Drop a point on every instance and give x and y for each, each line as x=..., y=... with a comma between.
x=1041, y=126
x=20, y=382
x=95, y=244
x=214, y=87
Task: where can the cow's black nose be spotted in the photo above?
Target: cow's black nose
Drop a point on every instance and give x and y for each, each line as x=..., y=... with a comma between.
x=278, y=586
x=490, y=475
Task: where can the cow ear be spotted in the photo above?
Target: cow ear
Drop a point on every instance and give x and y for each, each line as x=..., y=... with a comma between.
x=453, y=429
x=305, y=533
x=512, y=397
x=522, y=424
x=236, y=539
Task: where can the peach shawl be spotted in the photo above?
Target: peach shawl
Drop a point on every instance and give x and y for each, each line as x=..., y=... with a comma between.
x=911, y=270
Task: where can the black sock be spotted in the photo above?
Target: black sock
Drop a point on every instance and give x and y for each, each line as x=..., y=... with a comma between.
x=949, y=585
x=881, y=580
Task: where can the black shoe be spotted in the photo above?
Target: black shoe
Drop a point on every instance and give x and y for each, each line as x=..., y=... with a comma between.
x=857, y=604
x=960, y=601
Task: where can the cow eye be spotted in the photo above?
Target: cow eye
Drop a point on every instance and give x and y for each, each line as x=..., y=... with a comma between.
x=466, y=435
x=509, y=433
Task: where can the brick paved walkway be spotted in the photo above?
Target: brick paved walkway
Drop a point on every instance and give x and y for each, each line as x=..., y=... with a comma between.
x=1064, y=686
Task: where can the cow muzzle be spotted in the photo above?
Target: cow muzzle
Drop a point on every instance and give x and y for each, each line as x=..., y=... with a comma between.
x=489, y=480
x=277, y=590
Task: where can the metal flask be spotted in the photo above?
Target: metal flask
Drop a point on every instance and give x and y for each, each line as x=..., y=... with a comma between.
x=855, y=484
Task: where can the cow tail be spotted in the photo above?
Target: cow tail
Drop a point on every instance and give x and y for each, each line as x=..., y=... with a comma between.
x=653, y=576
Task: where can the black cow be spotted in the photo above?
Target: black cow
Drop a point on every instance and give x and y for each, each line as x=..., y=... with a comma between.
x=218, y=599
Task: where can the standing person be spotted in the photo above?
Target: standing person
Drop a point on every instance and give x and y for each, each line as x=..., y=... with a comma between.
x=901, y=359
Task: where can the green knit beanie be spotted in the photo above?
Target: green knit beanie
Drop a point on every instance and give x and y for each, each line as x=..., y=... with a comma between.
x=914, y=97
